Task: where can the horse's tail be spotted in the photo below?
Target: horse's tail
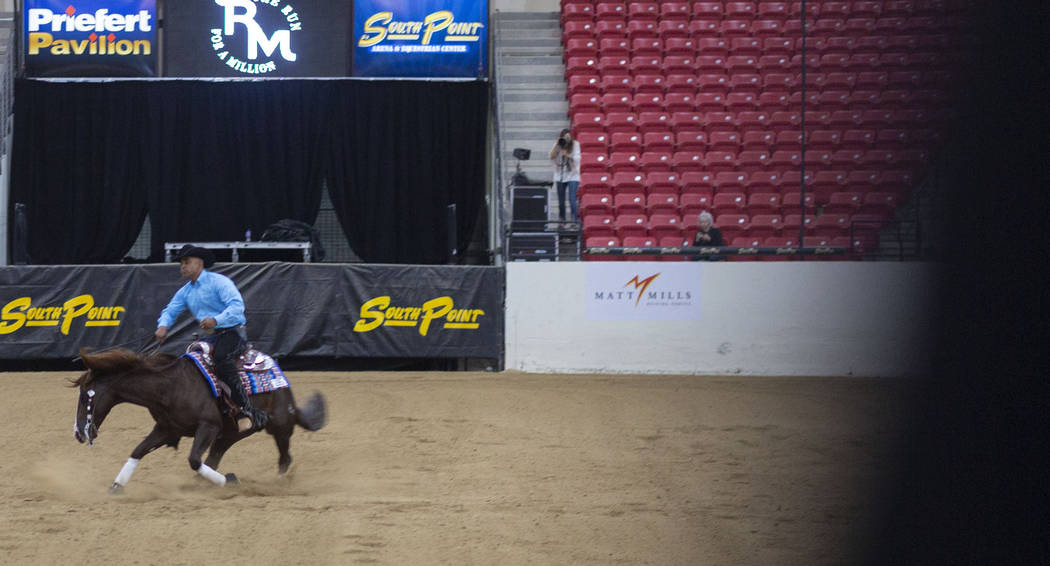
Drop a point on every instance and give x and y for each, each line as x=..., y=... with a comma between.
x=314, y=414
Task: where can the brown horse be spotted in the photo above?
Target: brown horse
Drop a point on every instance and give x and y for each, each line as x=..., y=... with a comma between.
x=182, y=404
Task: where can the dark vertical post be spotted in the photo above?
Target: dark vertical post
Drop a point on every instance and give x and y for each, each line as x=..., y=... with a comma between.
x=802, y=154
x=451, y=234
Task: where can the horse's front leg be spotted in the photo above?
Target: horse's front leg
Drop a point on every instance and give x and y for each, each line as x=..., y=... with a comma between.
x=154, y=440
x=205, y=435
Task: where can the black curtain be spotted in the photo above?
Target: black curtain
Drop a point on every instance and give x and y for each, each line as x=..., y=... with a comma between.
x=400, y=153
x=210, y=159
x=224, y=157
x=77, y=165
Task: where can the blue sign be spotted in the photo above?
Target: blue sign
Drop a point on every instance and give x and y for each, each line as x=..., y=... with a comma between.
x=420, y=38
x=90, y=38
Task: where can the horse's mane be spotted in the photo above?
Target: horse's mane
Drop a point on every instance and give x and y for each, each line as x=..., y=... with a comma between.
x=118, y=360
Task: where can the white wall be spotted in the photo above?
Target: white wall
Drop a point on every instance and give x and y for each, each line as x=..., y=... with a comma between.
x=757, y=318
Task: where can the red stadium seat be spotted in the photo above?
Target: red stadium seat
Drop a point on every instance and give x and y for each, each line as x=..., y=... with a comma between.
x=825, y=183
x=718, y=161
x=584, y=84
x=598, y=225
x=604, y=29
x=679, y=83
x=639, y=242
x=757, y=140
x=730, y=182
x=614, y=47
x=686, y=120
x=724, y=141
x=792, y=200
x=596, y=204
x=628, y=182
x=588, y=122
x=596, y=142
x=729, y=203
x=701, y=28
x=581, y=47
x=773, y=101
x=687, y=161
x=691, y=140
x=643, y=11
x=594, y=163
x=692, y=204
x=709, y=102
x=765, y=226
x=663, y=182
x=626, y=142
x=647, y=47
x=662, y=225
x=843, y=203
x=627, y=225
x=581, y=65
x=645, y=65
x=616, y=84
x=584, y=103
x=601, y=242
x=789, y=140
x=763, y=203
x=615, y=102
x=622, y=161
x=764, y=181
x=749, y=46
x=571, y=30
x=711, y=83
x=785, y=159
x=629, y=203
x=680, y=46
x=621, y=122
x=615, y=11
x=708, y=10
x=577, y=12
x=648, y=84
x=792, y=222
x=594, y=183
x=824, y=140
x=767, y=28
x=647, y=102
x=732, y=225
x=661, y=203
x=750, y=161
x=649, y=122
x=736, y=28
x=668, y=29
x=642, y=28
x=830, y=225
x=659, y=142
x=654, y=161
x=741, y=102
x=680, y=102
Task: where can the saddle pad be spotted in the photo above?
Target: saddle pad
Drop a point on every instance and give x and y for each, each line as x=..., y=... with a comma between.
x=255, y=382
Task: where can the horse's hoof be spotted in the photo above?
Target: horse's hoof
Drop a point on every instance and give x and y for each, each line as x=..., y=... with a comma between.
x=116, y=489
x=231, y=479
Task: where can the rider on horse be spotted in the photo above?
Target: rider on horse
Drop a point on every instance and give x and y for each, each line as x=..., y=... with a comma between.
x=214, y=301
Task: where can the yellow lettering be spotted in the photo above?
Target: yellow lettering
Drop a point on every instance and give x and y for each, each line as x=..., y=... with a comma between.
x=380, y=33
x=435, y=22
x=60, y=47
x=434, y=308
x=77, y=306
x=14, y=320
x=375, y=317
x=39, y=40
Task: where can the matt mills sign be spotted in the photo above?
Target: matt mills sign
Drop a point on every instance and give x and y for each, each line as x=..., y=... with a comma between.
x=253, y=38
x=90, y=38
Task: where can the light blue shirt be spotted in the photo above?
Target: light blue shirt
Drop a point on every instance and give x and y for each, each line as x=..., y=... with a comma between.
x=213, y=295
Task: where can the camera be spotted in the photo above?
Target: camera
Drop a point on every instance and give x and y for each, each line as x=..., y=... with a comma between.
x=562, y=142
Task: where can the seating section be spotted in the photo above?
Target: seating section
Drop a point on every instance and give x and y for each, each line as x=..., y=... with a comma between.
x=682, y=107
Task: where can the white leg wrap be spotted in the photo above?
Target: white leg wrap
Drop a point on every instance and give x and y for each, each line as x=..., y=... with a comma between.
x=125, y=473
x=211, y=475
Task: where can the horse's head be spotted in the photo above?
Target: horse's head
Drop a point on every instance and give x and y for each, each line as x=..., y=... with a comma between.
x=98, y=391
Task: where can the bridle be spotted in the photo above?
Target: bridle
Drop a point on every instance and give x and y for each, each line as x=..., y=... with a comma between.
x=90, y=430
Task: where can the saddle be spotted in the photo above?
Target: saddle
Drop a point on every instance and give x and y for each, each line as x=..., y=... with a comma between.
x=258, y=372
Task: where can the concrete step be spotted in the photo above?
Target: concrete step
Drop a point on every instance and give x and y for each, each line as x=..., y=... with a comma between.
x=532, y=117
x=538, y=33
x=559, y=106
x=551, y=79
x=509, y=44
x=542, y=63
x=503, y=15
x=535, y=95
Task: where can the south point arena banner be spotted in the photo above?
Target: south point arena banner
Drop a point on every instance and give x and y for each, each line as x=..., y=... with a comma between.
x=421, y=38
x=256, y=38
x=305, y=310
x=90, y=38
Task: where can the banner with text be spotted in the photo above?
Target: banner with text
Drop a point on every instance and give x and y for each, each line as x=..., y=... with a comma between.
x=256, y=38
x=49, y=312
x=420, y=38
x=90, y=38
x=620, y=291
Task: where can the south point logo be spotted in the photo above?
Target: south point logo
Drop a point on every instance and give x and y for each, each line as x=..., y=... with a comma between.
x=241, y=38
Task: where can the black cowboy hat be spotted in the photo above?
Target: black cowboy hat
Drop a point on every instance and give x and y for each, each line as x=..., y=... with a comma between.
x=190, y=250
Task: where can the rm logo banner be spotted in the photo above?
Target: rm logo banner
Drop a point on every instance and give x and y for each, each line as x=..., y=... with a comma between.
x=637, y=291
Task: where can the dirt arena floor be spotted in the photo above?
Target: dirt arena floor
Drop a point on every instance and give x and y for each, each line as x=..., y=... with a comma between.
x=471, y=468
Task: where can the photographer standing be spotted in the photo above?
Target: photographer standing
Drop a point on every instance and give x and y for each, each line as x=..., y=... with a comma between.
x=566, y=158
